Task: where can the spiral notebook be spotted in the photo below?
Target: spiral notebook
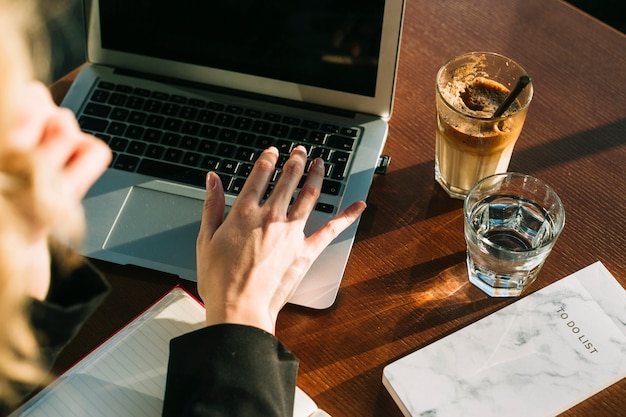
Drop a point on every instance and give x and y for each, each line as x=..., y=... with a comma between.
x=539, y=356
x=126, y=375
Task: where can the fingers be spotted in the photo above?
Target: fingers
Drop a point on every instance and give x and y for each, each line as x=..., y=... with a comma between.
x=289, y=178
x=310, y=191
x=259, y=179
x=327, y=233
x=213, y=208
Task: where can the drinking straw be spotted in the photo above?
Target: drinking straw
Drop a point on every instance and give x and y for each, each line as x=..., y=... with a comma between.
x=523, y=81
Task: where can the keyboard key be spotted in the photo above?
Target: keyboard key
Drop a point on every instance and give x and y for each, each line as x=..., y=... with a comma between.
x=155, y=121
x=330, y=128
x=324, y=208
x=93, y=124
x=229, y=166
x=226, y=150
x=117, y=99
x=236, y=185
x=226, y=180
x=124, y=88
x=272, y=117
x=137, y=117
x=280, y=131
x=253, y=113
x=316, y=137
x=105, y=85
x=227, y=135
x=152, y=106
x=196, y=102
x=206, y=116
x=120, y=114
x=340, y=142
x=245, y=170
x=338, y=172
x=261, y=127
x=136, y=148
x=310, y=124
x=208, y=131
x=118, y=144
x=349, y=131
x=126, y=163
x=160, y=95
x=190, y=128
x=210, y=163
x=100, y=96
x=98, y=110
x=134, y=102
x=173, y=125
x=170, y=139
x=298, y=134
x=207, y=146
x=172, y=172
x=264, y=142
x=170, y=109
x=245, y=154
x=191, y=159
x=331, y=187
x=134, y=132
x=189, y=142
x=188, y=113
x=141, y=92
x=178, y=99
x=116, y=128
x=215, y=106
x=246, y=139
x=173, y=155
x=242, y=123
x=224, y=119
x=155, y=151
x=234, y=109
x=294, y=121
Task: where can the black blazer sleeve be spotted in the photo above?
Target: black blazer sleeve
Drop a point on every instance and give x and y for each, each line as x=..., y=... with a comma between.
x=229, y=370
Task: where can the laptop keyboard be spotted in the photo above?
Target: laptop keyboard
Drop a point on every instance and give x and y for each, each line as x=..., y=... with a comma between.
x=182, y=138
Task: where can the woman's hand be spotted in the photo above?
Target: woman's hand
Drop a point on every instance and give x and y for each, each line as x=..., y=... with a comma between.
x=250, y=264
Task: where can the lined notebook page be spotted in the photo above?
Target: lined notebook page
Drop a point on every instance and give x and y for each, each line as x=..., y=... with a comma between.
x=126, y=375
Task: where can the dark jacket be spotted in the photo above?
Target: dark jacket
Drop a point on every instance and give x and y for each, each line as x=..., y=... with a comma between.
x=222, y=370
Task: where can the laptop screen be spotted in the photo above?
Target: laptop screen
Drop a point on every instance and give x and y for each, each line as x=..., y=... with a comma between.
x=331, y=44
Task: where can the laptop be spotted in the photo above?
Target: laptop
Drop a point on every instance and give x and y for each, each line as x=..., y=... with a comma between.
x=181, y=88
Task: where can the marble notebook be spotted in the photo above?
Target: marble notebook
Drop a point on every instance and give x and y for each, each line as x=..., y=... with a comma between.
x=536, y=357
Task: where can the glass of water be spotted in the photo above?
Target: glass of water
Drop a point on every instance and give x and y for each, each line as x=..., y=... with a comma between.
x=512, y=221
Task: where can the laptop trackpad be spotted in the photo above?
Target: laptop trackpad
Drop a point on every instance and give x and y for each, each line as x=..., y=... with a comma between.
x=158, y=227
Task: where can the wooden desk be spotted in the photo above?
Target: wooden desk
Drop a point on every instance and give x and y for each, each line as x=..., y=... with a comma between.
x=405, y=285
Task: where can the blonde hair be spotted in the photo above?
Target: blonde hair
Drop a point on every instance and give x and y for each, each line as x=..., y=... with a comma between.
x=23, y=42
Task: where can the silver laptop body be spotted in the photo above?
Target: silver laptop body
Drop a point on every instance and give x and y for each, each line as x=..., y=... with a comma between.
x=293, y=68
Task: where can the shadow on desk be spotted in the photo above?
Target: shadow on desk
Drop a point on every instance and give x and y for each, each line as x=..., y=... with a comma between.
x=570, y=148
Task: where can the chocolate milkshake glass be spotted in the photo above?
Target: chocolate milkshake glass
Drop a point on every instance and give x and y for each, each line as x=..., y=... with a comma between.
x=471, y=143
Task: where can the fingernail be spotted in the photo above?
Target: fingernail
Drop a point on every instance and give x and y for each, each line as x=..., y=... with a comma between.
x=210, y=181
x=319, y=163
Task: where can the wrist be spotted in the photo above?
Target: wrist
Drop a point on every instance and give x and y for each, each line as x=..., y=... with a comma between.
x=240, y=313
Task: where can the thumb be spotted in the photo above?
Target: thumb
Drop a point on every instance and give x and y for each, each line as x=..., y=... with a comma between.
x=213, y=207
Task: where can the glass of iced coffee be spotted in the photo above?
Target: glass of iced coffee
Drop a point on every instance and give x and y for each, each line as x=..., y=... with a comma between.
x=472, y=141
